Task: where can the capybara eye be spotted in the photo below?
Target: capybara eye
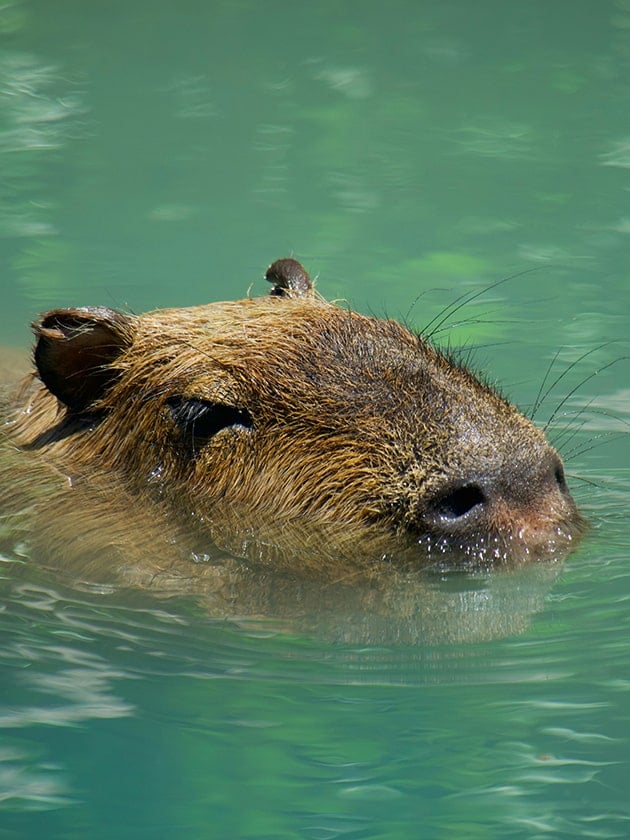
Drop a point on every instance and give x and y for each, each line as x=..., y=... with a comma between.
x=199, y=420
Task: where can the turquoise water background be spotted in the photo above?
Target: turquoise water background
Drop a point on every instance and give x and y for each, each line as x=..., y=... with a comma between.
x=163, y=154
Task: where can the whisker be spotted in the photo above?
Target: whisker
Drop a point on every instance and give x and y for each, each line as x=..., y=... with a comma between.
x=569, y=368
x=407, y=318
x=468, y=321
x=562, y=441
x=572, y=427
x=588, y=481
x=539, y=397
x=580, y=384
x=588, y=446
x=467, y=298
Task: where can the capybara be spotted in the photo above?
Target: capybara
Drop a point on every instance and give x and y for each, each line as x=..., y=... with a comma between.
x=285, y=430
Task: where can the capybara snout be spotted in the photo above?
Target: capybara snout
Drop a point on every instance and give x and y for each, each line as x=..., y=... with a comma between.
x=290, y=409
x=518, y=509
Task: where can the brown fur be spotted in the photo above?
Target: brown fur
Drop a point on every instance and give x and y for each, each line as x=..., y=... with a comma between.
x=351, y=441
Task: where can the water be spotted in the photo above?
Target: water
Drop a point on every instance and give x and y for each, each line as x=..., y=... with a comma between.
x=156, y=154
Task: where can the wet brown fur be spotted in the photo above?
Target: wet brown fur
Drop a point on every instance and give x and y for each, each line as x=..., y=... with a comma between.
x=358, y=427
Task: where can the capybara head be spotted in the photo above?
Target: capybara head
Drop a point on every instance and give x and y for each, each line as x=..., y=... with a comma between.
x=289, y=409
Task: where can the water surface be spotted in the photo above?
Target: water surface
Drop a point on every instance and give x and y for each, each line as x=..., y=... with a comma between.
x=163, y=155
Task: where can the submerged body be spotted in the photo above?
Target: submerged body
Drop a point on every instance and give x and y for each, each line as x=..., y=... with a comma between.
x=286, y=430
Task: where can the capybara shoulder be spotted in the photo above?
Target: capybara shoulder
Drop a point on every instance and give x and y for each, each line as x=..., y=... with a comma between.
x=272, y=416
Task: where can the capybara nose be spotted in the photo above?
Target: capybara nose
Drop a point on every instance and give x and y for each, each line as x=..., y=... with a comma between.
x=485, y=500
x=457, y=505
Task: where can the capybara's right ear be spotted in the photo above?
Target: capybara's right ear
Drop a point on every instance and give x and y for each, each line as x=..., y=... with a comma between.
x=75, y=349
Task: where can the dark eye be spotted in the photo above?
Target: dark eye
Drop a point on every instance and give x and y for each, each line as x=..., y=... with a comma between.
x=199, y=420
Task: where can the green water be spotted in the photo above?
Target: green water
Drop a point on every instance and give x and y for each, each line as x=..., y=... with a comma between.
x=158, y=153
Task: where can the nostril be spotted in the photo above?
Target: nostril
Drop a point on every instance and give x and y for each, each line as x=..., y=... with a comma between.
x=560, y=478
x=459, y=502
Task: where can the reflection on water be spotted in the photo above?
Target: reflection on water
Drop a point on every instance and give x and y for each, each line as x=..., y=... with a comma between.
x=27, y=785
x=617, y=155
x=408, y=153
x=308, y=710
x=352, y=82
x=40, y=111
x=496, y=139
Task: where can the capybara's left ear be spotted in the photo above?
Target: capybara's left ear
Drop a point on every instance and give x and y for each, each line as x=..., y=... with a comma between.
x=75, y=349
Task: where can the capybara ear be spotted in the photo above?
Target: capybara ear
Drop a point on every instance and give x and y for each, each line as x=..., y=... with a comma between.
x=74, y=351
x=289, y=278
